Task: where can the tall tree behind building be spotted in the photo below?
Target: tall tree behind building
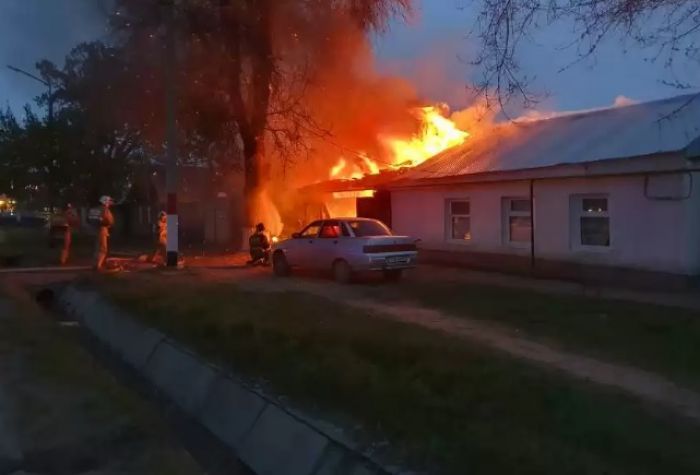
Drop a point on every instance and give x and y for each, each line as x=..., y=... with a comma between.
x=242, y=65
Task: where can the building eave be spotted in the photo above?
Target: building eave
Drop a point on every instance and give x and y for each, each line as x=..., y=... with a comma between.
x=656, y=163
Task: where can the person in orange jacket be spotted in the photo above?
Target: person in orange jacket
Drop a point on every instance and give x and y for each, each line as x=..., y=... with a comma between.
x=71, y=221
x=160, y=253
x=105, y=223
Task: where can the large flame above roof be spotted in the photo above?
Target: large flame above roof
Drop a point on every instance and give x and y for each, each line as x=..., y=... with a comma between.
x=437, y=133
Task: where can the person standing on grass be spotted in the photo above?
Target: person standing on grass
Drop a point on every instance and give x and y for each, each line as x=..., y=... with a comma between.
x=159, y=256
x=71, y=221
x=106, y=221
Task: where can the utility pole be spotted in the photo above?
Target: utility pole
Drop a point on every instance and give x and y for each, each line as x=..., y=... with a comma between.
x=171, y=171
x=49, y=125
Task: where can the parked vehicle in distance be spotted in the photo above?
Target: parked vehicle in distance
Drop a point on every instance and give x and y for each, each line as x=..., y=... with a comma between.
x=346, y=246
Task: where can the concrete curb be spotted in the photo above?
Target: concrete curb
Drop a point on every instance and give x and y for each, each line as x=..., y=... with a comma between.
x=267, y=437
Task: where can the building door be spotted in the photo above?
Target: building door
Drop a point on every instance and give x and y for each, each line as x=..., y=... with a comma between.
x=376, y=207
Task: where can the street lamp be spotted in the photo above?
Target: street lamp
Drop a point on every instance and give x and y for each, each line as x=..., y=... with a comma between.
x=49, y=122
x=38, y=79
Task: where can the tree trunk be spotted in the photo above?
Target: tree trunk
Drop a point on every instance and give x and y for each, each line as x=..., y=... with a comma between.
x=253, y=43
x=253, y=154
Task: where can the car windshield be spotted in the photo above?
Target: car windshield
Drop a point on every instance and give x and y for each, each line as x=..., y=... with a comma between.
x=363, y=228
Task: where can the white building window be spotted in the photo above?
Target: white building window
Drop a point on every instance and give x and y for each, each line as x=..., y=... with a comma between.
x=517, y=222
x=591, y=226
x=459, y=220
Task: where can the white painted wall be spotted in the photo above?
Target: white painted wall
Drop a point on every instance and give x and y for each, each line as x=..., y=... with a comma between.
x=660, y=235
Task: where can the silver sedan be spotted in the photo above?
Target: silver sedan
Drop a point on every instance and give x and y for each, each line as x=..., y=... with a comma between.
x=345, y=246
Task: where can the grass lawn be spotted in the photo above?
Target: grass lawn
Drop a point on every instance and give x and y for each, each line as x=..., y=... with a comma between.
x=452, y=407
x=71, y=416
x=31, y=247
x=660, y=339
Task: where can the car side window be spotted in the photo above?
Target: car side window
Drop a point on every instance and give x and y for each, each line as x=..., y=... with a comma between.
x=345, y=231
x=330, y=230
x=312, y=230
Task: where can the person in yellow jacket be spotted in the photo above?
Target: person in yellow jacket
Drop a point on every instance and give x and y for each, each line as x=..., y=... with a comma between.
x=106, y=221
x=160, y=255
x=72, y=221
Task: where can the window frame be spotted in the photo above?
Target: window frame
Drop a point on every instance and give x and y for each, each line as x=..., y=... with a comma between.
x=507, y=213
x=577, y=212
x=449, y=216
x=357, y=220
x=333, y=223
x=318, y=223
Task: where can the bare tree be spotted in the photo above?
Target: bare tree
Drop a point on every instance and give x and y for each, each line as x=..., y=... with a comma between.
x=668, y=28
x=240, y=52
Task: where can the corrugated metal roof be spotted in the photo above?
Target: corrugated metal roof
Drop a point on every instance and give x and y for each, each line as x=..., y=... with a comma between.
x=669, y=125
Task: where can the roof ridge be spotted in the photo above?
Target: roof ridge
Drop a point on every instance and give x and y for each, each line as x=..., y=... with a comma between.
x=605, y=109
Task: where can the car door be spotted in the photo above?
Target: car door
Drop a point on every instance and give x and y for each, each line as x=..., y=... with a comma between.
x=300, y=253
x=327, y=246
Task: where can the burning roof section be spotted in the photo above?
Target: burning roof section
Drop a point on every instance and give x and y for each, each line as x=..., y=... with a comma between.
x=638, y=130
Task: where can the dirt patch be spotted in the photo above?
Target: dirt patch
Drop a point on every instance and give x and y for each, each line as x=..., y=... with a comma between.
x=645, y=385
x=640, y=383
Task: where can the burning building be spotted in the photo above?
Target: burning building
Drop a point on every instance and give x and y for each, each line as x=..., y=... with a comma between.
x=436, y=131
x=605, y=195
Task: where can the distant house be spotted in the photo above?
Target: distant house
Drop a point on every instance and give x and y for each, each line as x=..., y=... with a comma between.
x=606, y=195
x=210, y=212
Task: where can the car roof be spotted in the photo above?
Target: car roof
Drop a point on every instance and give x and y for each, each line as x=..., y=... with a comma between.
x=349, y=219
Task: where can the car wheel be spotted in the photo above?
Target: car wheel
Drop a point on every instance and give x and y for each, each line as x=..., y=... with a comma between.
x=280, y=266
x=393, y=275
x=342, y=272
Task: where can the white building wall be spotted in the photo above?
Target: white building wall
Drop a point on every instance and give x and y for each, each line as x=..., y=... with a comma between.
x=660, y=235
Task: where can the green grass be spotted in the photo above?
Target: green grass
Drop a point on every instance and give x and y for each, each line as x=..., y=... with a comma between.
x=67, y=404
x=31, y=246
x=452, y=407
x=660, y=339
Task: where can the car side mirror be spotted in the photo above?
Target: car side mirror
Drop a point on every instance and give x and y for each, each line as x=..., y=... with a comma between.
x=296, y=236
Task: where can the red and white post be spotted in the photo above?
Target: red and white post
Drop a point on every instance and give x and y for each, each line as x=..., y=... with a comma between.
x=171, y=178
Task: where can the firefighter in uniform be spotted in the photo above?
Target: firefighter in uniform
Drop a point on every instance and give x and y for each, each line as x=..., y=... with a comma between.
x=260, y=246
x=160, y=254
x=106, y=221
x=71, y=221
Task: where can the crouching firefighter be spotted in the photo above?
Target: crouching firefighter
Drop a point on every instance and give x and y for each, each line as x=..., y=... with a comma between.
x=260, y=246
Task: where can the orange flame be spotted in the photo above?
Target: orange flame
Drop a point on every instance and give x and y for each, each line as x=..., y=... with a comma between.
x=437, y=133
x=338, y=167
x=372, y=167
x=352, y=171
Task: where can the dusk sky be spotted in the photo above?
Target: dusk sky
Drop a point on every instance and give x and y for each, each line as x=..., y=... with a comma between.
x=428, y=50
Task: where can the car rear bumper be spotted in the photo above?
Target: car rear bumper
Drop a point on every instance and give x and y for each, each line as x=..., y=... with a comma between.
x=382, y=262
